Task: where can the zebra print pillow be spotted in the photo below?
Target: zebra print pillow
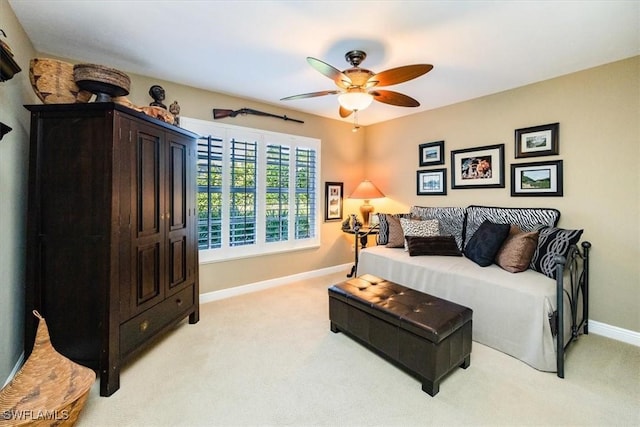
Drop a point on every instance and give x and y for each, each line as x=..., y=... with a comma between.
x=528, y=219
x=451, y=220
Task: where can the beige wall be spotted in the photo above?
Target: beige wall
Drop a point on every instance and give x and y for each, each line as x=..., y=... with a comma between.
x=598, y=111
x=599, y=115
x=14, y=151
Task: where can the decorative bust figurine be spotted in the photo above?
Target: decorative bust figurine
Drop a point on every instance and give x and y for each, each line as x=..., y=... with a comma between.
x=157, y=93
x=174, y=109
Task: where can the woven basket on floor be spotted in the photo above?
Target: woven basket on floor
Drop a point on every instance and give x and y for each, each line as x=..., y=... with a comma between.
x=49, y=390
x=52, y=81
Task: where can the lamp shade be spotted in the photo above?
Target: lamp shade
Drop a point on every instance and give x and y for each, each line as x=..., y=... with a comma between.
x=366, y=190
x=355, y=101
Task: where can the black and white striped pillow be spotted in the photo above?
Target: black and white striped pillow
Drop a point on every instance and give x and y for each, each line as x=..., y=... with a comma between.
x=450, y=219
x=528, y=219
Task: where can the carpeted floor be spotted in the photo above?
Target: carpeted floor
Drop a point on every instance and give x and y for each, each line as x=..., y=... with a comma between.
x=269, y=359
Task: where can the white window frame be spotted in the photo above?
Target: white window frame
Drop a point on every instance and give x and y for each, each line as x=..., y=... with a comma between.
x=226, y=132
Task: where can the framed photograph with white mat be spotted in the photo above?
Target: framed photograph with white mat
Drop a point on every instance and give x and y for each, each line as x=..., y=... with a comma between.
x=537, y=141
x=431, y=182
x=479, y=167
x=333, y=201
x=431, y=153
x=537, y=179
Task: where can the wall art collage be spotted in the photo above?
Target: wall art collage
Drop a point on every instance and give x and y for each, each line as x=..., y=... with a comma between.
x=484, y=167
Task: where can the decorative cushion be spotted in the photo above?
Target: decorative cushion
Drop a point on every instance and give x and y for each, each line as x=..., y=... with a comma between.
x=517, y=250
x=450, y=219
x=528, y=219
x=383, y=229
x=396, y=235
x=552, y=241
x=485, y=242
x=415, y=227
x=433, y=245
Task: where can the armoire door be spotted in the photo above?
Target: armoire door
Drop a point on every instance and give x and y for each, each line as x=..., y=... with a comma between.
x=177, y=212
x=148, y=218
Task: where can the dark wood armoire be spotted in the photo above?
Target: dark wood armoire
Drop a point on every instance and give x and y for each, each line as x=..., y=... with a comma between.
x=112, y=254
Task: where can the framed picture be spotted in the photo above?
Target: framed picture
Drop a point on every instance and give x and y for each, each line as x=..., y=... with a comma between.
x=537, y=141
x=481, y=167
x=333, y=201
x=431, y=182
x=537, y=179
x=431, y=153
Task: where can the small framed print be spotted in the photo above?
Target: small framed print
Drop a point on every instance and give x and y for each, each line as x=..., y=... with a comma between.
x=333, y=200
x=537, y=179
x=431, y=182
x=480, y=167
x=537, y=141
x=431, y=153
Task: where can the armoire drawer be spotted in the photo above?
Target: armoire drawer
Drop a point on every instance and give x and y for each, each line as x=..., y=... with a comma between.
x=145, y=325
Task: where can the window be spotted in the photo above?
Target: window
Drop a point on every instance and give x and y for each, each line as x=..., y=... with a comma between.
x=258, y=191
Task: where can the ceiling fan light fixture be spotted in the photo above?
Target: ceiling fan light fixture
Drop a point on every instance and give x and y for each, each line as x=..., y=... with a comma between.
x=355, y=101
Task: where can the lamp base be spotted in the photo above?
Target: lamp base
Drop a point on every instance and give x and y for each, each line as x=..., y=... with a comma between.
x=366, y=210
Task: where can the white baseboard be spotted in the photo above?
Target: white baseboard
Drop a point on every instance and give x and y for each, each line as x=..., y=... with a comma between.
x=614, y=332
x=15, y=370
x=272, y=283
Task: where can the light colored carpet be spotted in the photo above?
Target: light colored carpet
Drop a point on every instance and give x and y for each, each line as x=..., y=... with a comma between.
x=269, y=359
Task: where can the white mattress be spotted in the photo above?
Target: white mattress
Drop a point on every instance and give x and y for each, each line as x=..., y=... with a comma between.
x=510, y=310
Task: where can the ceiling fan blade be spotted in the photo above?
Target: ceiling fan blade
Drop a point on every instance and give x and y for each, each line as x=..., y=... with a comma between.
x=311, y=95
x=340, y=78
x=394, y=76
x=394, y=98
x=344, y=112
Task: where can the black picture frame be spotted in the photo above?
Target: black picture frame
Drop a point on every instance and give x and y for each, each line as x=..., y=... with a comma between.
x=537, y=179
x=537, y=141
x=478, y=167
x=431, y=153
x=431, y=182
x=333, y=201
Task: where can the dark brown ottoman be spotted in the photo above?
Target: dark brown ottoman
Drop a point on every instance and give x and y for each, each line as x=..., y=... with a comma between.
x=425, y=335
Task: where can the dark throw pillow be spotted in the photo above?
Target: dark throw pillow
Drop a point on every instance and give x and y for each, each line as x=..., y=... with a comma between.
x=485, y=242
x=552, y=241
x=433, y=245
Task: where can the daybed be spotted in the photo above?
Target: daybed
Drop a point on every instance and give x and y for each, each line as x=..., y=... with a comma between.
x=519, y=312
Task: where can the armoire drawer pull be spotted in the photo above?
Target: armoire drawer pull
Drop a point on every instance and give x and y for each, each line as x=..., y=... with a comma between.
x=179, y=301
x=144, y=326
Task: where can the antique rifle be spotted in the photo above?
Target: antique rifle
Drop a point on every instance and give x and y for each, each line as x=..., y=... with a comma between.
x=221, y=114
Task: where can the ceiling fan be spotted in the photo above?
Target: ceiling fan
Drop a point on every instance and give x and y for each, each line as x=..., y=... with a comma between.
x=357, y=87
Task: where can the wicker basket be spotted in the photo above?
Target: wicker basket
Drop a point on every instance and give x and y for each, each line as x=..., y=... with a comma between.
x=49, y=390
x=105, y=82
x=53, y=83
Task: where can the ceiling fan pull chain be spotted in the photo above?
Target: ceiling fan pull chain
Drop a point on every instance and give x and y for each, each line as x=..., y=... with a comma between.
x=355, y=121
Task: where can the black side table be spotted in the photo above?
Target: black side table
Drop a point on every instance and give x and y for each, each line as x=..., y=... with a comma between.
x=360, y=239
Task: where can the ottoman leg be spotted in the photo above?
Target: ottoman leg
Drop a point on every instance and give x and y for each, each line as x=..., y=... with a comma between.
x=430, y=387
x=466, y=363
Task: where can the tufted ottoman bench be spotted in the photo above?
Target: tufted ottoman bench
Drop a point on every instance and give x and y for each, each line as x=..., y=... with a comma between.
x=425, y=335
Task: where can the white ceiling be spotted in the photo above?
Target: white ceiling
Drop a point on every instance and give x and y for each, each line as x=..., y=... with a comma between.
x=258, y=49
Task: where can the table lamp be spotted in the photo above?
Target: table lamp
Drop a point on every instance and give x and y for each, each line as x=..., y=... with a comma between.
x=366, y=190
